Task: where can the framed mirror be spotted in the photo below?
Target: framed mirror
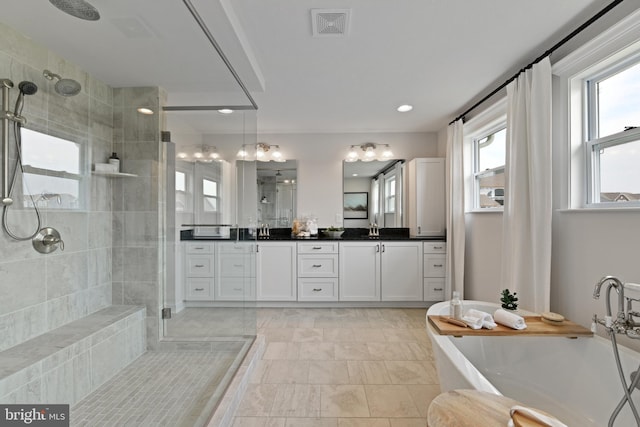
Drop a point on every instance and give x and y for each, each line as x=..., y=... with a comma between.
x=277, y=193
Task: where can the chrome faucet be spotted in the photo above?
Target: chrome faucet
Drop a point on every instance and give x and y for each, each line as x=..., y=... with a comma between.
x=619, y=325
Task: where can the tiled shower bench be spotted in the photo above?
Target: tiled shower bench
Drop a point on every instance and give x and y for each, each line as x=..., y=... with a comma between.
x=66, y=364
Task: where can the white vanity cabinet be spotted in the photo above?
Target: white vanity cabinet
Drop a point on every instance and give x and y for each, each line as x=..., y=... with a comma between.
x=401, y=267
x=381, y=271
x=199, y=268
x=359, y=271
x=276, y=271
x=235, y=271
x=426, y=197
x=318, y=271
x=434, y=264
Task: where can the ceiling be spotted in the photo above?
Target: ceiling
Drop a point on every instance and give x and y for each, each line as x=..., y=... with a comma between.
x=438, y=55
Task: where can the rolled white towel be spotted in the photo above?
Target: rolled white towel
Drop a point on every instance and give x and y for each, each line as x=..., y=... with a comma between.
x=487, y=319
x=474, y=322
x=511, y=320
x=536, y=416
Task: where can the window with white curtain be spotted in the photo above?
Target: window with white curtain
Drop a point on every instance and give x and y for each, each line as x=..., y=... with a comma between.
x=390, y=193
x=612, y=142
x=489, y=154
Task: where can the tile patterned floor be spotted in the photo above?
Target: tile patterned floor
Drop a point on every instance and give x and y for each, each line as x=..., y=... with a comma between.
x=159, y=389
x=341, y=368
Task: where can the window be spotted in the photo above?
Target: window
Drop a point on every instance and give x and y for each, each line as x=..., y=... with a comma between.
x=181, y=192
x=613, y=134
x=489, y=160
x=390, y=194
x=52, y=171
x=210, y=195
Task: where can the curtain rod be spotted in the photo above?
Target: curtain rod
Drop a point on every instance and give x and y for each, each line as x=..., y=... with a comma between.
x=548, y=52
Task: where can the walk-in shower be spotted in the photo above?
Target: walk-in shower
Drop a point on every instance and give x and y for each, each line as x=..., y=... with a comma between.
x=46, y=239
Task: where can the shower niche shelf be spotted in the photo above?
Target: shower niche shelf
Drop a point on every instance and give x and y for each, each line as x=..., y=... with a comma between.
x=115, y=174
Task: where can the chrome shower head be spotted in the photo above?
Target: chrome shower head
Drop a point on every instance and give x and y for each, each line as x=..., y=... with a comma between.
x=77, y=8
x=64, y=87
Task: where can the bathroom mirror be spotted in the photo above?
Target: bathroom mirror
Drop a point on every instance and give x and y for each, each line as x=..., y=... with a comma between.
x=383, y=182
x=277, y=193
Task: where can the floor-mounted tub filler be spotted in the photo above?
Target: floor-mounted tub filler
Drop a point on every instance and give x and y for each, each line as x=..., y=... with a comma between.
x=576, y=380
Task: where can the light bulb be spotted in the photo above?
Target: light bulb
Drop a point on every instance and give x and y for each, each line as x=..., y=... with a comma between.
x=243, y=153
x=352, y=156
x=197, y=155
x=214, y=155
x=181, y=155
x=369, y=154
x=387, y=154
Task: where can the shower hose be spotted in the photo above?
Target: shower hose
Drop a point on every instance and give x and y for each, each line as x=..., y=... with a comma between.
x=18, y=165
x=635, y=380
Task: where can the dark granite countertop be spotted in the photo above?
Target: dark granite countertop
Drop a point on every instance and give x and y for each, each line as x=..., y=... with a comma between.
x=284, y=234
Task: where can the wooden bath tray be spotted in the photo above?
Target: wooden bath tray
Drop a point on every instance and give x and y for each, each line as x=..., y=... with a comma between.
x=535, y=327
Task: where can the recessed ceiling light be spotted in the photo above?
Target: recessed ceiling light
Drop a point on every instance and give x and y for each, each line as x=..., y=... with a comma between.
x=404, y=108
x=143, y=110
x=225, y=111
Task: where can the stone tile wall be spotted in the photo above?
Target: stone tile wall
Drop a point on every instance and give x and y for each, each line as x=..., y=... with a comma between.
x=42, y=292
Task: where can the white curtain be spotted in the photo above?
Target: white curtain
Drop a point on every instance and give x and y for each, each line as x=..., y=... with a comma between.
x=455, y=208
x=526, y=250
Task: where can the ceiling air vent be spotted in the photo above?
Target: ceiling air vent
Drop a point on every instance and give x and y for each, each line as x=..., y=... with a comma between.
x=330, y=22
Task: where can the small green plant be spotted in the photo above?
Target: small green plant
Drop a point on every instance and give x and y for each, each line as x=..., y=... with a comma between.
x=508, y=300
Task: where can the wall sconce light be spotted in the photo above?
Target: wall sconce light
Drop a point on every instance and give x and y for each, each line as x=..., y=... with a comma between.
x=200, y=153
x=369, y=151
x=264, y=152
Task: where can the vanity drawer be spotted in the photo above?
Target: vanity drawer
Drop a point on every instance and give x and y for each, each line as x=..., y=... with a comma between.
x=433, y=289
x=236, y=265
x=199, y=288
x=318, y=248
x=198, y=248
x=236, y=248
x=321, y=289
x=234, y=289
x=435, y=247
x=434, y=265
x=318, y=265
x=199, y=266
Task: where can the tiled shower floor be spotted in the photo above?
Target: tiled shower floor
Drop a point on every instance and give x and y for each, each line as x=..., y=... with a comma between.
x=161, y=388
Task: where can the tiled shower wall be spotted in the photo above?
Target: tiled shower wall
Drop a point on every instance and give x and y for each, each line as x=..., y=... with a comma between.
x=140, y=259
x=41, y=292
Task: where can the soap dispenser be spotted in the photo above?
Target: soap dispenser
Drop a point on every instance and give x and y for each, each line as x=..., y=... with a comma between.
x=455, y=306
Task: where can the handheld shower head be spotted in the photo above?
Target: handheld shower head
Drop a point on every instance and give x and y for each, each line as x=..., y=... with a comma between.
x=64, y=87
x=26, y=88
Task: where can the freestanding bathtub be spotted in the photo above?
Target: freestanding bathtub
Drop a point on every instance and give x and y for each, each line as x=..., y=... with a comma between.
x=576, y=380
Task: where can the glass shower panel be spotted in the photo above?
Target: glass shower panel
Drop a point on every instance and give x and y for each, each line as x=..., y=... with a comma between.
x=213, y=294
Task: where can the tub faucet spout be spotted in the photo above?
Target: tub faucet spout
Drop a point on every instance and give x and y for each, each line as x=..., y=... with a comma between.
x=613, y=282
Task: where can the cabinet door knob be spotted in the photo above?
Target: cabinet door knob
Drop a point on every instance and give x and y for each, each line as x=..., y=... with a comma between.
x=316, y=265
x=317, y=247
x=383, y=248
x=237, y=289
x=437, y=265
x=377, y=248
x=437, y=289
x=199, y=289
x=198, y=266
x=199, y=248
x=437, y=247
x=317, y=289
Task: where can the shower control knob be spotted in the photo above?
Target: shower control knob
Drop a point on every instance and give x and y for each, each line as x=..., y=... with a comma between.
x=47, y=240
